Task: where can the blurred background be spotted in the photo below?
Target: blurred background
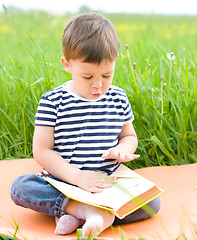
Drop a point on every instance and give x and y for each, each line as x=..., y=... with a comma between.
x=157, y=71
x=110, y=6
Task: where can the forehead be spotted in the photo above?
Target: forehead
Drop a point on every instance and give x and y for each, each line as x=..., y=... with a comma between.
x=84, y=67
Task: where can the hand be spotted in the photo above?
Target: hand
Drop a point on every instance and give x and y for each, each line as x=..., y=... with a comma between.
x=119, y=155
x=92, y=181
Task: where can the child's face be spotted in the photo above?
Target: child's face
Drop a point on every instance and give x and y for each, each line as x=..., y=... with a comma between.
x=90, y=80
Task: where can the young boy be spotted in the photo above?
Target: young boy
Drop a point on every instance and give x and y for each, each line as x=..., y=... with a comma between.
x=83, y=131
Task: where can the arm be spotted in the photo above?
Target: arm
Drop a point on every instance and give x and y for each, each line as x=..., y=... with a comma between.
x=127, y=145
x=43, y=144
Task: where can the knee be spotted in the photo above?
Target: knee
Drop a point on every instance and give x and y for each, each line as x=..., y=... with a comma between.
x=19, y=189
x=16, y=189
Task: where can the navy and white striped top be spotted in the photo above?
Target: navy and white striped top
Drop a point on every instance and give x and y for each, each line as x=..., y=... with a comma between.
x=83, y=128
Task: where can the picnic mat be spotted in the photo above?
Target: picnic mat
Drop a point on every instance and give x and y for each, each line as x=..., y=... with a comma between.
x=177, y=216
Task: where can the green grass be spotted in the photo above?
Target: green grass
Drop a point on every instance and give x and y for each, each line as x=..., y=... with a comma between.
x=123, y=235
x=165, y=107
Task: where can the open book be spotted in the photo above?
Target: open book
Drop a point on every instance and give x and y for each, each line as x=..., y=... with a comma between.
x=131, y=192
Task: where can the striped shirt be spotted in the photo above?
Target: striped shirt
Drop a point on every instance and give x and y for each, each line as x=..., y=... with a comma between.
x=84, y=128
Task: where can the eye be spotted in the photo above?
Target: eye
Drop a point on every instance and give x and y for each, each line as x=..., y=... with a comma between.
x=106, y=76
x=89, y=77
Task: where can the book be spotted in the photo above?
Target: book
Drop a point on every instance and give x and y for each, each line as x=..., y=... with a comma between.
x=131, y=192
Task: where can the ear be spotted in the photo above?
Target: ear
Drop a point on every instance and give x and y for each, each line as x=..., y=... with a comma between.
x=65, y=64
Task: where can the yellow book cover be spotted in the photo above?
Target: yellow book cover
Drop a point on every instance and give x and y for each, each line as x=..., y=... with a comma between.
x=131, y=192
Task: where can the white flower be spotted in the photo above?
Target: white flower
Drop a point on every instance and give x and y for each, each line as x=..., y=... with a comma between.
x=171, y=56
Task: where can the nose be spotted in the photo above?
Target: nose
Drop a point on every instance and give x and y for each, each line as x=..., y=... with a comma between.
x=97, y=84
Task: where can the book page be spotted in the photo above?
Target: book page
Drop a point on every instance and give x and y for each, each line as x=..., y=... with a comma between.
x=114, y=197
x=125, y=172
x=69, y=190
x=123, y=191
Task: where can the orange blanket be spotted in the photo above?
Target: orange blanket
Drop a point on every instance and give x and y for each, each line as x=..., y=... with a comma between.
x=177, y=216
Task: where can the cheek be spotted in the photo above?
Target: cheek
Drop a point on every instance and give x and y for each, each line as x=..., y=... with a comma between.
x=108, y=83
x=84, y=85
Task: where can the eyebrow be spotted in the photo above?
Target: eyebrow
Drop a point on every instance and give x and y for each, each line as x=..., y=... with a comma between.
x=88, y=73
x=107, y=73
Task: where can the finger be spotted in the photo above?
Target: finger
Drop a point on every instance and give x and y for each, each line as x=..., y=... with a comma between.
x=96, y=189
x=103, y=185
x=111, y=153
x=135, y=156
x=115, y=153
x=122, y=156
x=111, y=179
x=102, y=178
x=114, y=179
x=129, y=157
x=106, y=154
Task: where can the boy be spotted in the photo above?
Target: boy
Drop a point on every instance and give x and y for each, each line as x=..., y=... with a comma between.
x=83, y=130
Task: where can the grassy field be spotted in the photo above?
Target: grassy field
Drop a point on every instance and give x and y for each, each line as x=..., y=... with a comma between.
x=158, y=73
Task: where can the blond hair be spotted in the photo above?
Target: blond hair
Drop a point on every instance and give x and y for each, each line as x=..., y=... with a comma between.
x=91, y=38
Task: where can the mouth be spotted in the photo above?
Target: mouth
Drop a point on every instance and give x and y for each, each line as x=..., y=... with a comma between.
x=96, y=94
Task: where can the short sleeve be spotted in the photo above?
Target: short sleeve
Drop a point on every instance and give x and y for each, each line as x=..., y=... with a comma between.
x=46, y=114
x=129, y=117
